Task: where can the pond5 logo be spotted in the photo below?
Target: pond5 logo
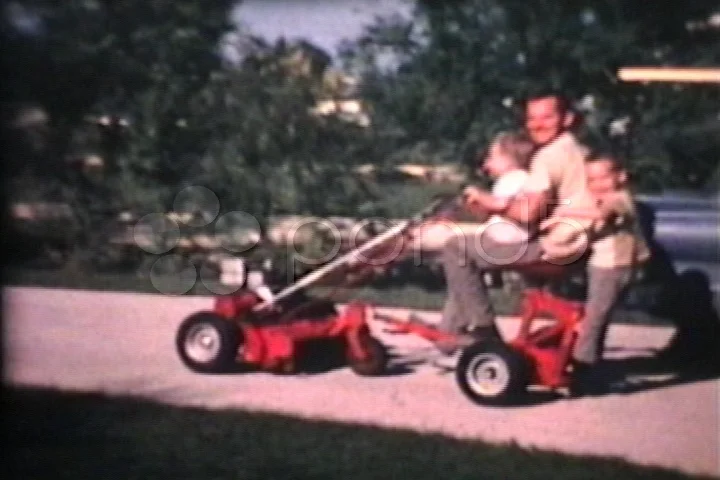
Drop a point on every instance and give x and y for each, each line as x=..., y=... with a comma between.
x=194, y=230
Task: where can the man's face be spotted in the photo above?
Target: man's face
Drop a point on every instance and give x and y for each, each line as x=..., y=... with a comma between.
x=544, y=120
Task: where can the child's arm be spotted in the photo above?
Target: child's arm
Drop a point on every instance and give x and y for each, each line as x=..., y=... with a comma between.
x=611, y=209
x=482, y=204
x=484, y=200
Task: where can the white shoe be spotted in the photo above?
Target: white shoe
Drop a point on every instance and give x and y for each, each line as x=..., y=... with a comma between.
x=447, y=363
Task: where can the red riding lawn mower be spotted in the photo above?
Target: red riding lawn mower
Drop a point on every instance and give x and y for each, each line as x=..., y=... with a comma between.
x=247, y=331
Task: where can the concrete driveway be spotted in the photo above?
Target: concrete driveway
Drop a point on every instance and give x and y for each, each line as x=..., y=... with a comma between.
x=122, y=343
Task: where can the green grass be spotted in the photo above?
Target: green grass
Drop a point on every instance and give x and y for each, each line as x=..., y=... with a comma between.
x=401, y=199
x=410, y=296
x=58, y=436
x=397, y=295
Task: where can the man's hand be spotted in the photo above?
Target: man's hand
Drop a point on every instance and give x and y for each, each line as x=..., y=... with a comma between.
x=562, y=218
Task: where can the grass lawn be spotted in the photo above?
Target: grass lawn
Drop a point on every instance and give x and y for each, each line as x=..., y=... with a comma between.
x=57, y=435
x=407, y=296
x=411, y=296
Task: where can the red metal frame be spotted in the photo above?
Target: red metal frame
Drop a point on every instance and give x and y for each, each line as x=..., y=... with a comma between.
x=271, y=342
x=545, y=336
x=272, y=345
x=546, y=348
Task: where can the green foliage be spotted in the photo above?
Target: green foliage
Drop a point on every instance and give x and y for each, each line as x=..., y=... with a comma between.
x=142, y=88
x=114, y=79
x=269, y=153
x=462, y=65
x=141, y=85
x=404, y=199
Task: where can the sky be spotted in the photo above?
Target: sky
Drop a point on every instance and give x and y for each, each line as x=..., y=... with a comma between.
x=324, y=23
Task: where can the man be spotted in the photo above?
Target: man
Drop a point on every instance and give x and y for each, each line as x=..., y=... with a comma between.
x=556, y=175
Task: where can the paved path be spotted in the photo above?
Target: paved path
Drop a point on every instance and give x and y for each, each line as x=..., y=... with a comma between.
x=124, y=344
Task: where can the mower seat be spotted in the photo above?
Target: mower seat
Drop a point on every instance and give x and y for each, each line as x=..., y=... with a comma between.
x=545, y=270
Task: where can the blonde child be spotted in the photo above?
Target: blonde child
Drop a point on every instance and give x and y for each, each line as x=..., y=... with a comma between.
x=506, y=163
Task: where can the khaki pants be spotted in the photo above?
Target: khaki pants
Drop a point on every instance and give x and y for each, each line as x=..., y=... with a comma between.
x=605, y=288
x=465, y=259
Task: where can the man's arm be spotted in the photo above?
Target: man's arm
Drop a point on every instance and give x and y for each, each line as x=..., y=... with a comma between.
x=612, y=210
x=612, y=207
x=527, y=207
x=589, y=213
x=532, y=205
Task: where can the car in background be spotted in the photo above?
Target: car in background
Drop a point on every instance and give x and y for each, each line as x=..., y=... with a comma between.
x=686, y=225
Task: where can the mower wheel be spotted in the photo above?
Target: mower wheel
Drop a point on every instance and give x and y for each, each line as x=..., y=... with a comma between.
x=375, y=361
x=491, y=373
x=208, y=343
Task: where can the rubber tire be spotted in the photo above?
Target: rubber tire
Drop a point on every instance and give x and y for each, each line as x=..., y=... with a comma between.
x=230, y=340
x=514, y=363
x=375, y=364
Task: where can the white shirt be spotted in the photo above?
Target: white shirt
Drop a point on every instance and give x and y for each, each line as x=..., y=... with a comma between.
x=499, y=228
x=559, y=168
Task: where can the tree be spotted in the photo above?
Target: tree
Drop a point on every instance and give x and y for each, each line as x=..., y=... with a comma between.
x=104, y=58
x=271, y=153
x=114, y=79
x=458, y=63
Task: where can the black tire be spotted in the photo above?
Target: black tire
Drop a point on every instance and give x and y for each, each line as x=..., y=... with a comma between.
x=498, y=359
x=376, y=361
x=220, y=355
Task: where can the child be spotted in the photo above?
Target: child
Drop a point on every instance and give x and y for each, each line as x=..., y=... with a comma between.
x=507, y=163
x=617, y=247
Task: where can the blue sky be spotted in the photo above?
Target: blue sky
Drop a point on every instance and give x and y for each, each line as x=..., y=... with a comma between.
x=322, y=22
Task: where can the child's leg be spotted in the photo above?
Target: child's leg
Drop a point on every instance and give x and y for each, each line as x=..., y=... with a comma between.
x=605, y=285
